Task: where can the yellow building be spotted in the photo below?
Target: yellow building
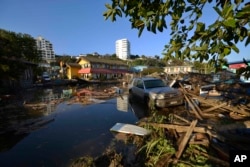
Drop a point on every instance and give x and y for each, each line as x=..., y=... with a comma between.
x=96, y=68
x=72, y=70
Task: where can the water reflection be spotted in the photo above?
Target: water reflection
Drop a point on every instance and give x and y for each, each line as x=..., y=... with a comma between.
x=122, y=103
x=74, y=130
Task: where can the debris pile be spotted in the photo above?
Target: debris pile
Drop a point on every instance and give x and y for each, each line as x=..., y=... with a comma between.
x=215, y=124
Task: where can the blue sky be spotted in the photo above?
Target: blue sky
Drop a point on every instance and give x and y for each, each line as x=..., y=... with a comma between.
x=78, y=27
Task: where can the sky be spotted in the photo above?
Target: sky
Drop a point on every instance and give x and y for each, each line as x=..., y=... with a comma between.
x=78, y=27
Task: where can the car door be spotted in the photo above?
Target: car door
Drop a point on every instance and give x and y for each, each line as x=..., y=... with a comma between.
x=139, y=88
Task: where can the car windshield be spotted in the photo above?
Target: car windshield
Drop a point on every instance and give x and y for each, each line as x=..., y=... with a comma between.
x=154, y=83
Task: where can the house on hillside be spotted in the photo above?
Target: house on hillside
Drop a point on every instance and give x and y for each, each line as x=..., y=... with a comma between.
x=234, y=66
x=138, y=68
x=174, y=70
x=96, y=68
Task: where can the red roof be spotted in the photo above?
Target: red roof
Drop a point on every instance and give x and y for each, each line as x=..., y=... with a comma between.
x=101, y=71
x=84, y=71
x=236, y=66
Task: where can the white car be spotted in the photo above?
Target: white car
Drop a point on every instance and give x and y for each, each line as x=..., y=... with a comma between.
x=156, y=90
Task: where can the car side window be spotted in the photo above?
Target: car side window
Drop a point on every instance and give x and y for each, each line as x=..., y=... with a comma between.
x=139, y=84
x=135, y=82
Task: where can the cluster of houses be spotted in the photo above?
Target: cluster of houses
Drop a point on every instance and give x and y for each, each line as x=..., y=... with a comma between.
x=96, y=68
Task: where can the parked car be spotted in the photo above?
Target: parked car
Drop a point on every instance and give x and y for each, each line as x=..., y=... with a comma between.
x=156, y=90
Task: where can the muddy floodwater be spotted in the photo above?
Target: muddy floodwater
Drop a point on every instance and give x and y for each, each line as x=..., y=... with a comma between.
x=65, y=133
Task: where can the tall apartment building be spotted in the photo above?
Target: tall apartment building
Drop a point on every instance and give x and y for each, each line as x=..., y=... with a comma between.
x=122, y=47
x=46, y=49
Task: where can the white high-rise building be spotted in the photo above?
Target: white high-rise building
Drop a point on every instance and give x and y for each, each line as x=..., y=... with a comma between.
x=46, y=49
x=122, y=47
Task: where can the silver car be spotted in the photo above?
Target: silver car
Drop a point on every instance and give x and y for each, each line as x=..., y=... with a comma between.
x=155, y=90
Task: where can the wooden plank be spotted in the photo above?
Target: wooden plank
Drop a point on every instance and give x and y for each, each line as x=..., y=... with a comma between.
x=192, y=104
x=212, y=103
x=215, y=107
x=185, y=139
x=181, y=118
x=193, y=108
x=181, y=129
x=197, y=107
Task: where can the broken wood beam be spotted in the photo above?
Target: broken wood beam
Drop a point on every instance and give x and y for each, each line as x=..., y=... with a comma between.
x=214, y=107
x=197, y=108
x=227, y=107
x=186, y=139
x=181, y=129
x=190, y=104
x=181, y=118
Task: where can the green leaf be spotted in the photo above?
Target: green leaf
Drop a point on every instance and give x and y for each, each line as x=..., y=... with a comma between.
x=153, y=27
x=122, y=4
x=138, y=23
x=235, y=48
x=118, y=12
x=227, y=11
x=244, y=60
x=218, y=11
x=243, y=32
x=107, y=14
x=200, y=27
x=108, y=6
x=247, y=41
x=140, y=30
x=244, y=13
x=189, y=8
x=236, y=39
x=230, y=23
x=160, y=25
x=150, y=13
x=148, y=25
x=227, y=51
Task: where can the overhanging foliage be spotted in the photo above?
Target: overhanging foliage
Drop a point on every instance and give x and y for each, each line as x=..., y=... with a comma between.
x=190, y=37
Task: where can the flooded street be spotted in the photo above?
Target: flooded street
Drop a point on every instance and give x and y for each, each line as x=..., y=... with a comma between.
x=68, y=132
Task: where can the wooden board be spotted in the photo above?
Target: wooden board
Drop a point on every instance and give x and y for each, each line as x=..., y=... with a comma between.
x=129, y=129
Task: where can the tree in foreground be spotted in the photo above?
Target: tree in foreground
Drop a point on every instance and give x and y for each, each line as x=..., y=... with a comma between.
x=191, y=38
x=15, y=49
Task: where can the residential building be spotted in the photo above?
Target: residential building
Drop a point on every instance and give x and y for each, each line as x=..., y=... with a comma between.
x=46, y=49
x=234, y=66
x=72, y=70
x=25, y=77
x=122, y=47
x=138, y=68
x=172, y=70
x=96, y=68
